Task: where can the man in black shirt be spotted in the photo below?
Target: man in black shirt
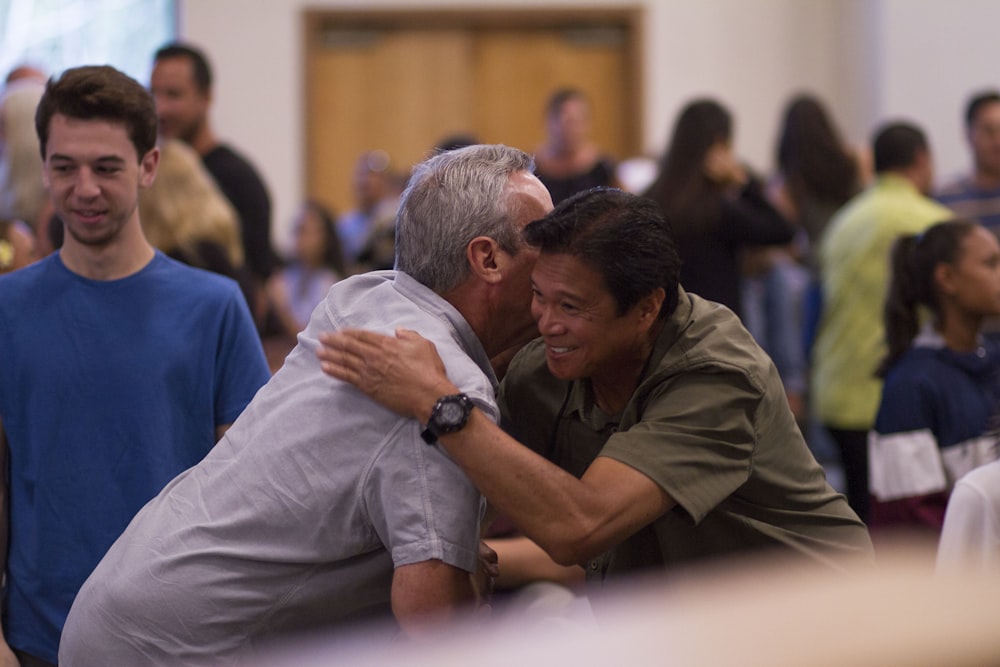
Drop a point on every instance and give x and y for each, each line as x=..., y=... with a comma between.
x=181, y=84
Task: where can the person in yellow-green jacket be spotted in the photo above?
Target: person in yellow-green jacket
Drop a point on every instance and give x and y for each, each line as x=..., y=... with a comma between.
x=854, y=272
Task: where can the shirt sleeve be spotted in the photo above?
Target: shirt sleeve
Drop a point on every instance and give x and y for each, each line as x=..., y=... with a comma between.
x=241, y=367
x=696, y=437
x=421, y=504
x=903, y=451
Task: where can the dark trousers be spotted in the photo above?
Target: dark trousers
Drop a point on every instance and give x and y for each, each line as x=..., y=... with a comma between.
x=853, y=448
x=27, y=660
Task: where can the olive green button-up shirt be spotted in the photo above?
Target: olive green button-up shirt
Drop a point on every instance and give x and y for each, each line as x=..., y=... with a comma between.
x=710, y=423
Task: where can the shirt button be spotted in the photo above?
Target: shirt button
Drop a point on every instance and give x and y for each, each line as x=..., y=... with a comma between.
x=594, y=566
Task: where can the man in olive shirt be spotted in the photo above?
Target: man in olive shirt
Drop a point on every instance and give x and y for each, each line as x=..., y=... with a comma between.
x=668, y=426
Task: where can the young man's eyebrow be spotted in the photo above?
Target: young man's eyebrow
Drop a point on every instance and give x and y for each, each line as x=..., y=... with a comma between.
x=117, y=159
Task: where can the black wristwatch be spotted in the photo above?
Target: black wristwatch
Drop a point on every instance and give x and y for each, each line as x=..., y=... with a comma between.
x=450, y=414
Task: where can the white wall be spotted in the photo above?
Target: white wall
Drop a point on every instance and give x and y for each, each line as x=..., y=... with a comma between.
x=936, y=53
x=869, y=59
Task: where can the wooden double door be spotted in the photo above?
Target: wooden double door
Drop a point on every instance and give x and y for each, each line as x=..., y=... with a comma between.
x=401, y=82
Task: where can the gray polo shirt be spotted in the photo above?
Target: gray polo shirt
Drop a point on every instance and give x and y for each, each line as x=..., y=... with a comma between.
x=298, y=517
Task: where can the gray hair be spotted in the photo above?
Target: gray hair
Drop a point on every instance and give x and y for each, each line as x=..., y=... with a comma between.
x=452, y=198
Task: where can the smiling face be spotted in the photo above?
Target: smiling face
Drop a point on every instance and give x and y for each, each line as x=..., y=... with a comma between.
x=93, y=176
x=584, y=334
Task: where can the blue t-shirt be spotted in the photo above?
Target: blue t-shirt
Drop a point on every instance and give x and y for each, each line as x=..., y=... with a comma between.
x=108, y=389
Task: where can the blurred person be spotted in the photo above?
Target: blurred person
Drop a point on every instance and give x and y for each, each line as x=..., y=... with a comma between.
x=854, y=269
x=316, y=264
x=184, y=213
x=119, y=367
x=17, y=246
x=817, y=171
x=568, y=161
x=22, y=195
x=186, y=216
x=716, y=207
x=367, y=231
x=977, y=195
x=319, y=508
x=655, y=431
x=941, y=394
x=970, y=534
x=181, y=83
x=816, y=174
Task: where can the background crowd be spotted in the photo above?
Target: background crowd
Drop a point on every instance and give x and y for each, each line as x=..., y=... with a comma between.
x=874, y=293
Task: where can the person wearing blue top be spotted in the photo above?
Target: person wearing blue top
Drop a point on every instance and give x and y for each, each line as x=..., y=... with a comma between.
x=976, y=195
x=937, y=416
x=119, y=367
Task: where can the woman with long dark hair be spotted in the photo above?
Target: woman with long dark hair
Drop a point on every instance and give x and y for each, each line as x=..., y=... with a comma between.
x=715, y=206
x=942, y=375
x=818, y=172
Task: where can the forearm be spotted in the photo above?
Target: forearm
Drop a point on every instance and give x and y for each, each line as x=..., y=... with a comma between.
x=523, y=562
x=536, y=495
x=571, y=519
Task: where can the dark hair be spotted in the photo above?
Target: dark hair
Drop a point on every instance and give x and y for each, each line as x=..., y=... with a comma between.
x=99, y=93
x=622, y=236
x=977, y=102
x=200, y=69
x=911, y=285
x=561, y=96
x=811, y=154
x=897, y=146
x=454, y=141
x=333, y=254
x=686, y=195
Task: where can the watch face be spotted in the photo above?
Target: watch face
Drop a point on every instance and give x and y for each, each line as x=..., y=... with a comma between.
x=449, y=415
x=452, y=412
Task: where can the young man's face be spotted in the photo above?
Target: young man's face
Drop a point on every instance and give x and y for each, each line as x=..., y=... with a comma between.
x=93, y=176
x=181, y=107
x=984, y=138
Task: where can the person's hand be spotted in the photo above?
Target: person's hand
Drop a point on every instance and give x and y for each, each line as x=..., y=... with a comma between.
x=485, y=577
x=404, y=373
x=722, y=167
